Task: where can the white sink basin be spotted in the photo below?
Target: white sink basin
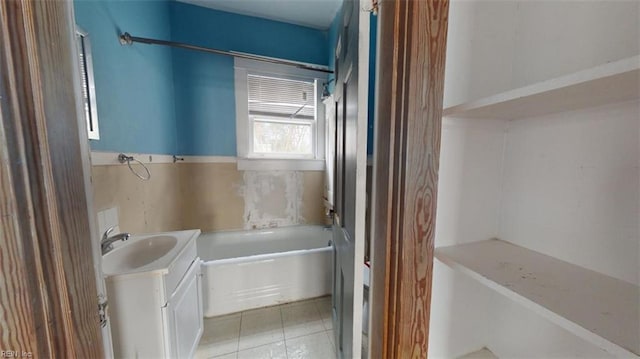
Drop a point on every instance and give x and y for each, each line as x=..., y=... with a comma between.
x=139, y=253
x=146, y=253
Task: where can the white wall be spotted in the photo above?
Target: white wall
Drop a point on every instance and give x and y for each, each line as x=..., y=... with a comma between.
x=460, y=314
x=480, y=47
x=494, y=45
x=571, y=188
x=468, y=210
x=469, y=184
x=557, y=37
x=567, y=185
x=516, y=332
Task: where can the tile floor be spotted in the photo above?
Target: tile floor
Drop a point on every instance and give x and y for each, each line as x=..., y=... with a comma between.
x=299, y=330
x=483, y=353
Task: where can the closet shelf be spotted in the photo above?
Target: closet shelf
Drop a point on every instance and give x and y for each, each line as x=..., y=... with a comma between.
x=613, y=82
x=600, y=309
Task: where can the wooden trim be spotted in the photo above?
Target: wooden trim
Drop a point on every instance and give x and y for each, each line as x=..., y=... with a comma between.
x=412, y=48
x=47, y=284
x=23, y=309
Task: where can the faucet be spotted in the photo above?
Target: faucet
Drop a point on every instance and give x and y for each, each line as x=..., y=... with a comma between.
x=107, y=241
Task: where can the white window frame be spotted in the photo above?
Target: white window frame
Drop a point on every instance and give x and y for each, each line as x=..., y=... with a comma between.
x=249, y=160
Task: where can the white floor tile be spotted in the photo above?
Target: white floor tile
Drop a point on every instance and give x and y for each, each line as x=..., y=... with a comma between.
x=260, y=333
x=483, y=353
x=332, y=339
x=227, y=356
x=220, y=336
x=259, y=327
x=201, y=354
x=269, y=351
x=313, y=346
x=324, y=308
x=301, y=319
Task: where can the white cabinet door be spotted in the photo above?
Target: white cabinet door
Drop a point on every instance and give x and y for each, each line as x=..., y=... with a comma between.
x=183, y=315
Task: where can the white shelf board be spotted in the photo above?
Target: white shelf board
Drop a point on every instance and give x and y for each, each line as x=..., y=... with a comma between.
x=613, y=82
x=600, y=309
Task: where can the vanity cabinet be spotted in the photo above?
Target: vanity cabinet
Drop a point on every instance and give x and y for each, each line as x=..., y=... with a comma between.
x=182, y=316
x=158, y=314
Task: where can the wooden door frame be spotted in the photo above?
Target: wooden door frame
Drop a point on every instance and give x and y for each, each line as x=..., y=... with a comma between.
x=47, y=280
x=412, y=40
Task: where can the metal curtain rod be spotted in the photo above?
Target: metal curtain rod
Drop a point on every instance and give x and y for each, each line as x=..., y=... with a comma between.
x=127, y=39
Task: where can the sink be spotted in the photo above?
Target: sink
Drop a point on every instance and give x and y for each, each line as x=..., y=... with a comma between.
x=145, y=253
x=138, y=253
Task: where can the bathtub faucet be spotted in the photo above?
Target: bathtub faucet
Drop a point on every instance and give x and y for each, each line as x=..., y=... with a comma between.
x=107, y=242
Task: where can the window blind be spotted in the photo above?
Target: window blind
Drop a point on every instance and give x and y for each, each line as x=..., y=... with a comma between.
x=85, y=83
x=281, y=98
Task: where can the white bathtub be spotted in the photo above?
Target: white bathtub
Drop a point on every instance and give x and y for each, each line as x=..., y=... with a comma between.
x=253, y=269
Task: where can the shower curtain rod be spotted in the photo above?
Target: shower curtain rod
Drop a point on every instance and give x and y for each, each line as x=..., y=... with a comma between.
x=127, y=39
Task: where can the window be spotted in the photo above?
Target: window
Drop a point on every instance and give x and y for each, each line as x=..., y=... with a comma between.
x=282, y=117
x=87, y=84
x=279, y=116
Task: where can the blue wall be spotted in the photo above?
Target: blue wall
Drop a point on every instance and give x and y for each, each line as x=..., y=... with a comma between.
x=155, y=99
x=134, y=84
x=333, y=34
x=204, y=83
x=205, y=104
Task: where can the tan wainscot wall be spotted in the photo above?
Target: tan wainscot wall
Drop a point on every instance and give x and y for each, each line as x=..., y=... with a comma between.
x=208, y=196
